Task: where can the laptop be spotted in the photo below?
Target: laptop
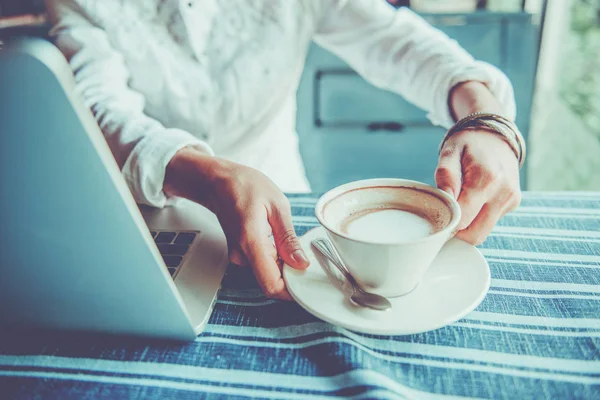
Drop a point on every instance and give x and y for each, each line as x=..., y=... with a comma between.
x=76, y=252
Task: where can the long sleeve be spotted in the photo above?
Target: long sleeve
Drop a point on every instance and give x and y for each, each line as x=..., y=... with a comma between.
x=398, y=51
x=141, y=145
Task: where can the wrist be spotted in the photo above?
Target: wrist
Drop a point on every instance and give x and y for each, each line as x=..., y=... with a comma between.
x=471, y=97
x=193, y=174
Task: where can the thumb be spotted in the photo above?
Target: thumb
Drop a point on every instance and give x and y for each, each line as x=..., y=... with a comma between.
x=448, y=175
x=287, y=243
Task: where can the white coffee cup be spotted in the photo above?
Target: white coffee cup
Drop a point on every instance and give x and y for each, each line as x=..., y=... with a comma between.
x=388, y=231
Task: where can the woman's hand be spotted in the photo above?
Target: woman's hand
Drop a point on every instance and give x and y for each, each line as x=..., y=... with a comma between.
x=479, y=169
x=250, y=208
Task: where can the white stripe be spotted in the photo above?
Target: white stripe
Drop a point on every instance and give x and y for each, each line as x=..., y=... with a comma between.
x=547, y=238
x=305, y=218
x=526, y=331
x=309, y=224
x=304, y=205
x=247, y=303
x=581, y=323
x=312, y=200
x=242, y=293
x=545, y=231
x=557, y=210
x=217, y=375
x=545, y=296
x=533, y=285
x=552, y=215
x=509, y=254
x=543, y=263
x=567, y=194
x=385, y=394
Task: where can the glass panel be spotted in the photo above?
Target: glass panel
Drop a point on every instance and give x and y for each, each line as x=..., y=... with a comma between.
x=462, y=6
x=566, y=120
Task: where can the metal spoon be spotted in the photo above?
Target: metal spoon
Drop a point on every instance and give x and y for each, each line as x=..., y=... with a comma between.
x=358, y=296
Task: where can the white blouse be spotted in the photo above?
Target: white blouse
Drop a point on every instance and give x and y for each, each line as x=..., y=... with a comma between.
x=222, y=75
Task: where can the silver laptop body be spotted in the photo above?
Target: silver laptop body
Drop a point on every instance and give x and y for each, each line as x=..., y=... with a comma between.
x=76, y=253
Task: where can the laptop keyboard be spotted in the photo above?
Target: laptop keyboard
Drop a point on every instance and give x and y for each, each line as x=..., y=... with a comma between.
x=172, y=247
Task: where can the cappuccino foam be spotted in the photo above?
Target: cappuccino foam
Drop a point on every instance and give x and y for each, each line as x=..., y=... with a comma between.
x=385, y=225
x=387, y=214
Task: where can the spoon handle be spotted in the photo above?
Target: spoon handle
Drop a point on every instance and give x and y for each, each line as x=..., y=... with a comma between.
x=328, y=251
x=359, y=296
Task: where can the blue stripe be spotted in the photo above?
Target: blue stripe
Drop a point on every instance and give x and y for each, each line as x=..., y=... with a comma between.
x=555, y=308
x=74, y=383
x=555, y=222
x=548, y=292
x=540, y=273
x=550, y=246
x=342, y=392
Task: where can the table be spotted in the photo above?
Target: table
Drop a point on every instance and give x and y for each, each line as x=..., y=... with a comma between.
x=536, y=334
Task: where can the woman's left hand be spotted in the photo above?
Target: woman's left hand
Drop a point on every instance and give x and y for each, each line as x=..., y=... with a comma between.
x=479, y=169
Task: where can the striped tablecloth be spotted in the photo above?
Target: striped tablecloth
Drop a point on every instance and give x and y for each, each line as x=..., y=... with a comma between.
x=536, y=334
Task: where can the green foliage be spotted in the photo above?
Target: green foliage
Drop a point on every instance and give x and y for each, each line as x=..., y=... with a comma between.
x=581, y=63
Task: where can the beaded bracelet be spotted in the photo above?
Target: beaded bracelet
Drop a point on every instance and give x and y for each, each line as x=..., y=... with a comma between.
x=496, y=124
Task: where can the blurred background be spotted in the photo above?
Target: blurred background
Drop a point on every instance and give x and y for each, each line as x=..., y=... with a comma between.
x=350, y=130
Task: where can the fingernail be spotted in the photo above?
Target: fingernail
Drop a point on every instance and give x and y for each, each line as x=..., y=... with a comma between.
x=299, y=256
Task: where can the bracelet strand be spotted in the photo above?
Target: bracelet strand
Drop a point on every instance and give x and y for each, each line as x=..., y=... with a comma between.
x=496, y=124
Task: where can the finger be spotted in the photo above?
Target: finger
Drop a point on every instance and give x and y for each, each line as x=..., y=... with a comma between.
x=513, y=202
x=263, y=259
x=471, y=202
x=483, y=224
x=448, y=175
x=237, y=257
x=287, y=243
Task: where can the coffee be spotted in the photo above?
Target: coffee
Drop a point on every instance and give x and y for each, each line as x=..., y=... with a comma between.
x=388, y=224
x=387, y=214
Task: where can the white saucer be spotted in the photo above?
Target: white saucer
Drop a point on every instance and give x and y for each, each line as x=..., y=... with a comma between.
x=454, y=285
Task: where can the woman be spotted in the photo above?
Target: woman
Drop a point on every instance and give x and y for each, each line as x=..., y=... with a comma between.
x=196, y=99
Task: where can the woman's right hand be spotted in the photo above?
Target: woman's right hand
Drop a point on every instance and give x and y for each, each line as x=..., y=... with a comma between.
x=250, y=208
